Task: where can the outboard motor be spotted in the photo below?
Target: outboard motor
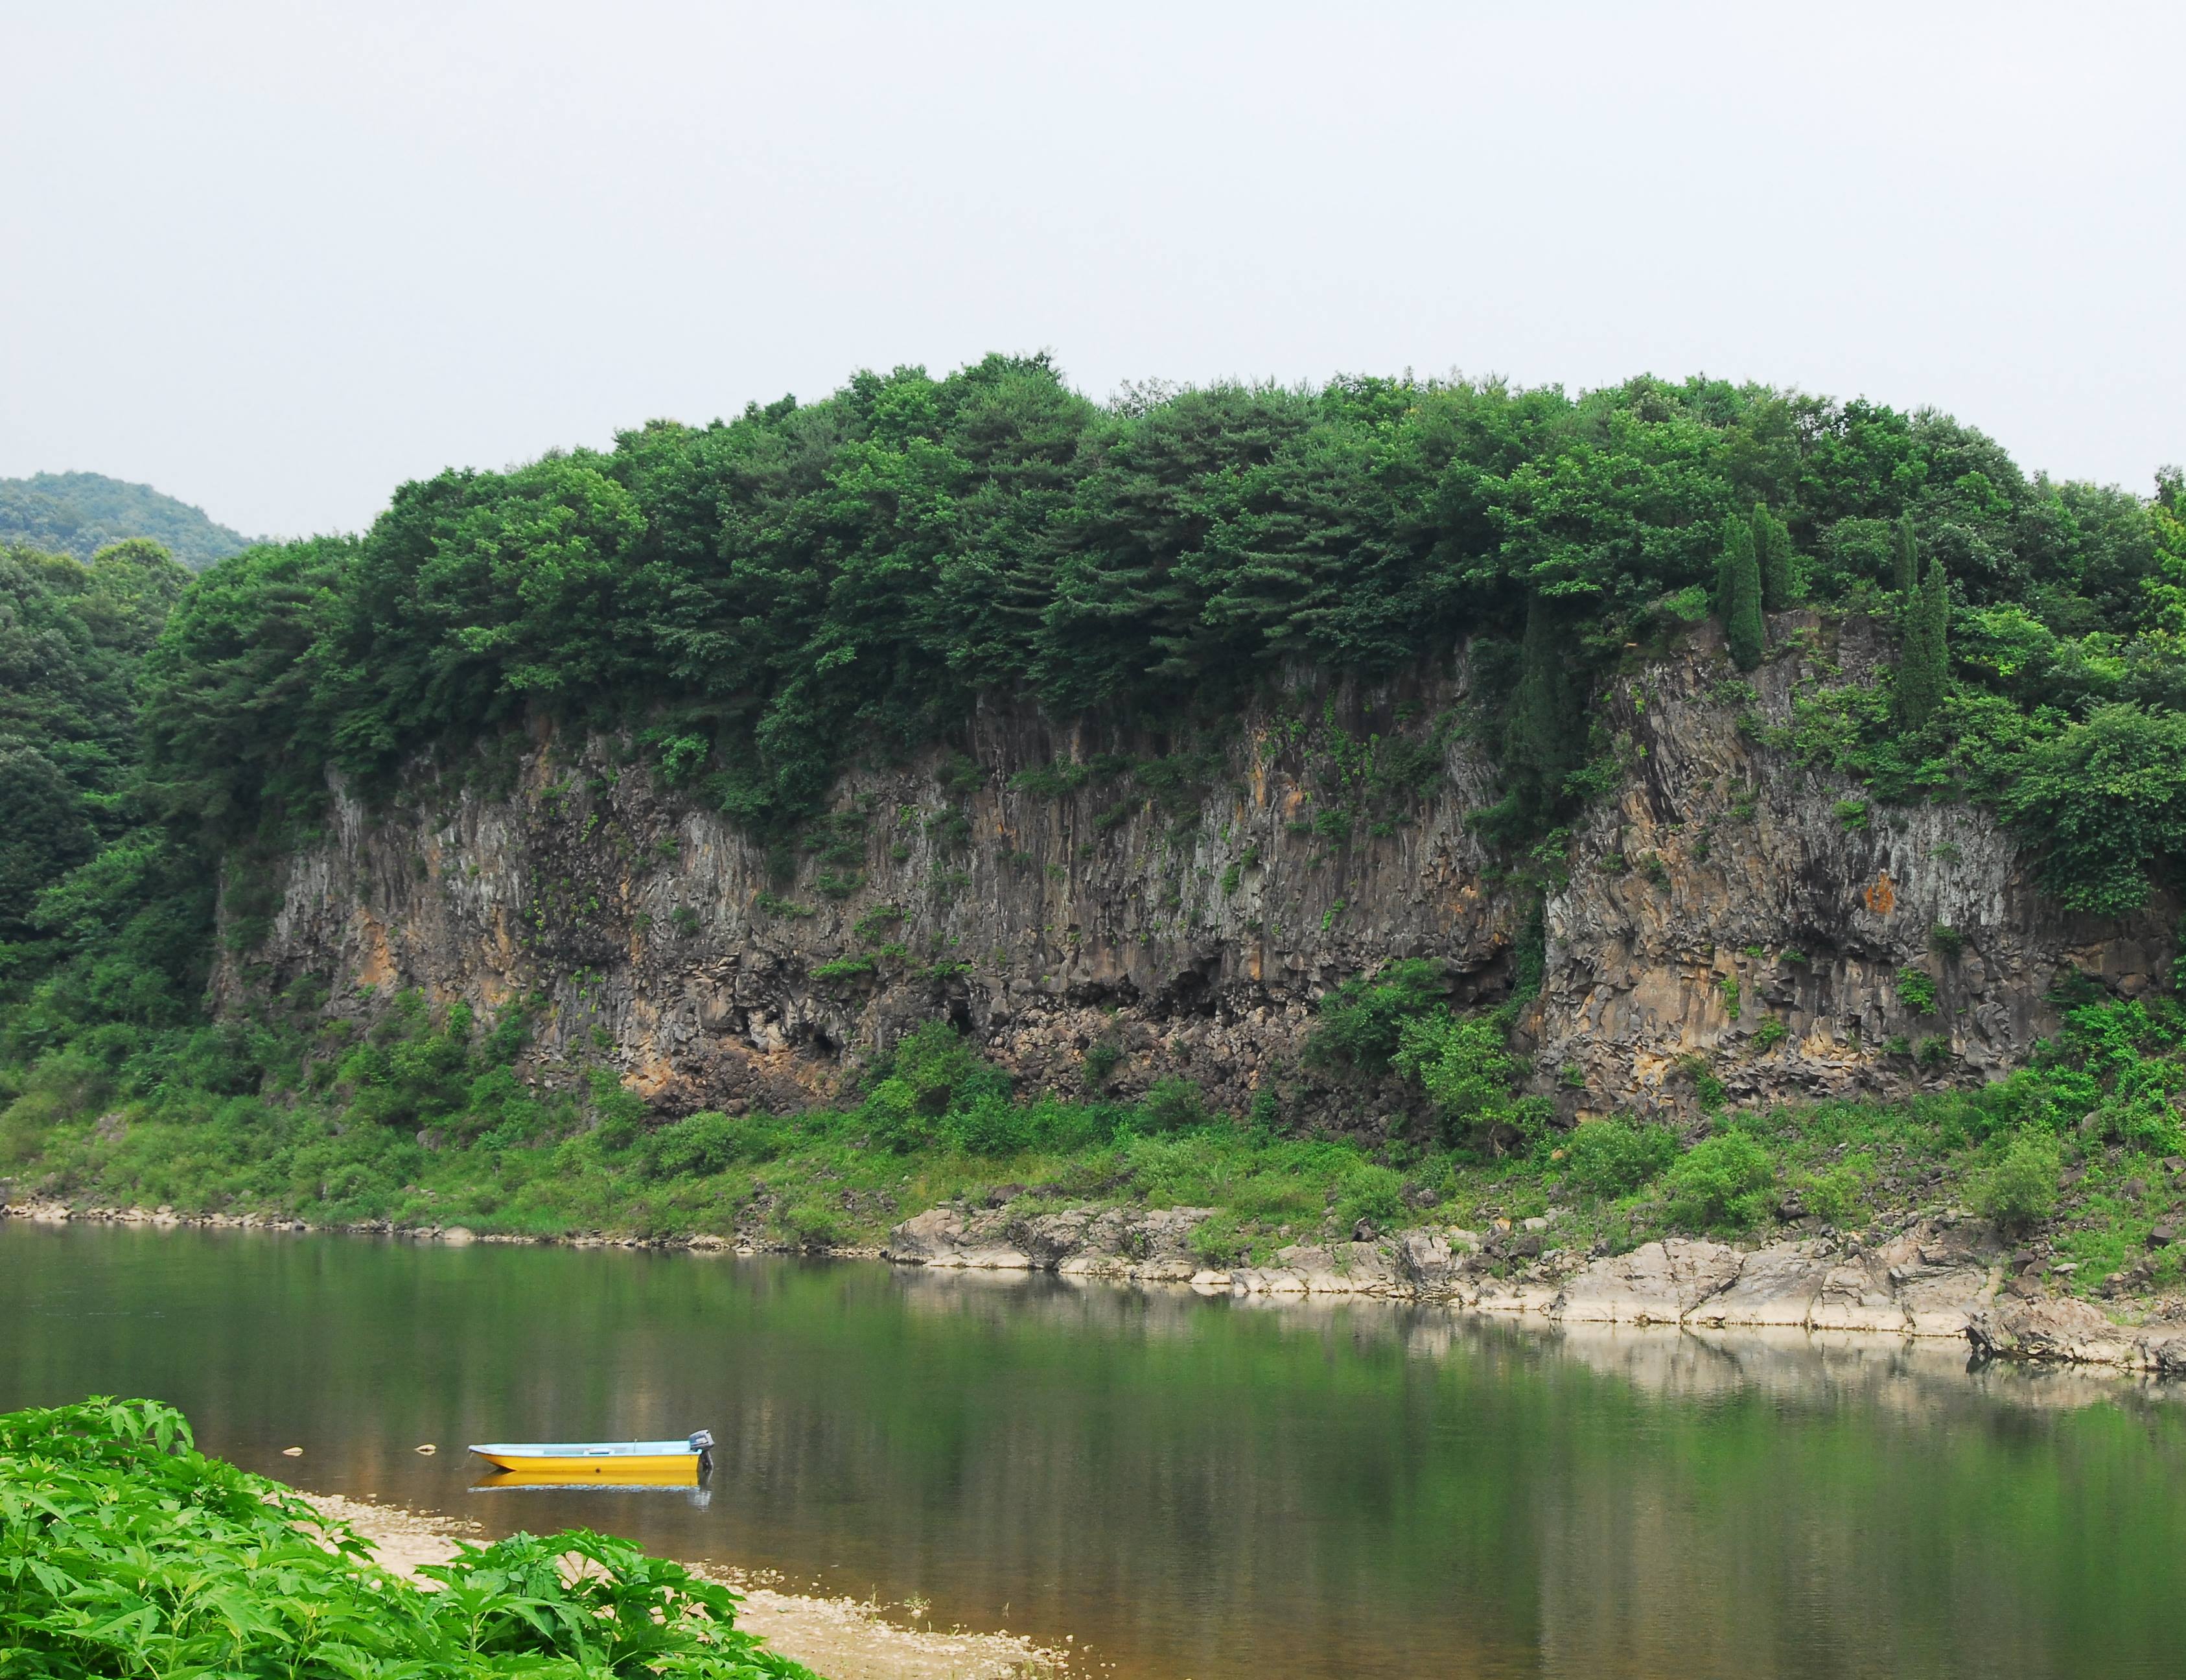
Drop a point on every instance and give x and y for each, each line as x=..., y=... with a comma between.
x=702, y=1444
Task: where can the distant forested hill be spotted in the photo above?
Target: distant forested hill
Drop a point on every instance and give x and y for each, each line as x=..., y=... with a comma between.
x=79, y=513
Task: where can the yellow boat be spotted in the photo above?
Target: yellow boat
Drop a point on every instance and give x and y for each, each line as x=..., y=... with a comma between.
x=684, y=1474
x=657, y=1463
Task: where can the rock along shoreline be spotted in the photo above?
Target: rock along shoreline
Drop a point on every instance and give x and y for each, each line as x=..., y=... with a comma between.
x=1943, y=1276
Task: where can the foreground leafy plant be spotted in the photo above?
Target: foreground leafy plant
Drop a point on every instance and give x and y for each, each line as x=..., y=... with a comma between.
x=125, y=1551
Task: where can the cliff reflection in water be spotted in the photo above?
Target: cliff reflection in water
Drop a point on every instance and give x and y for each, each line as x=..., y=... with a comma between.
x=1211, y=1487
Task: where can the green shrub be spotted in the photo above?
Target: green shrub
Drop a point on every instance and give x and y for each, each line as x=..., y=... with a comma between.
x=1469, y=1074
x=2021, y=1189
x=1362, y=1020
x=1839, y=1194
x=1053, y=780
x=989, y=1125
x=931, y=1072
x=1173, y=1106
x=1614, y=1156
x=1770, y=1033
x=710, y=1142
x=1722, y=1184
x=810, y=1222
x=1215, y=1241
x=1370, y=1192
x=1102, y=1057
x=61, y=1088
x=412, y=1072
x=1708, y=1089
x=618, y=1113
x=1916, y=990
x=879, y=922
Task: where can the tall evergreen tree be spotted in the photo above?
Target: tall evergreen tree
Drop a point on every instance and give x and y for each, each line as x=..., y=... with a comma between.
x=1544, y=740
x=1906, y=562
x=1739, y=580
x=1772, y=543
x=1726, y=565
x=1923, y=663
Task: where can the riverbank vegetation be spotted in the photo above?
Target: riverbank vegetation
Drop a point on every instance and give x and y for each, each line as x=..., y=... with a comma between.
x=425, y=1124
x=125, y=1551
x=751, y=600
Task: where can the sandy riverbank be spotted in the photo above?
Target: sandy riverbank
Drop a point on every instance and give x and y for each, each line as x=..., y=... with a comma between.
x=839, y=1638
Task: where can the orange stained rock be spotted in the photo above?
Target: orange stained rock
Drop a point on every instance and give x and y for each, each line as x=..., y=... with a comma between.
x=1882, y=897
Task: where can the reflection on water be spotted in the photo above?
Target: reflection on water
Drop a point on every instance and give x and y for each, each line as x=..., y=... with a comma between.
x=697, y=1491
x=1217, y=1488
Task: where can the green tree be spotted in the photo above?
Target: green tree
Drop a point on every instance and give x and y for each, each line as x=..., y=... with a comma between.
x=46, y=833
x=1905, y=559
x=1545, y=739
x=1923, y=665
x=1738, y=596
x=1616, y=1155
x=1723, y=1184
x=1772, y=543
x=2021, y=1189
x=2105, y=802
x=1362, y=1019
x=1464, y=1065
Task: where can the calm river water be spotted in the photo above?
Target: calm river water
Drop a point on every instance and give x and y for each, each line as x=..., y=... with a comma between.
x=1192, y=1487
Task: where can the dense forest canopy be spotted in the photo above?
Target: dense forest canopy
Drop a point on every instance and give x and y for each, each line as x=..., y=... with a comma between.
x=79, y=513
x=760, y=591
x=71, y=638
x=754, y=594
x=752, y=597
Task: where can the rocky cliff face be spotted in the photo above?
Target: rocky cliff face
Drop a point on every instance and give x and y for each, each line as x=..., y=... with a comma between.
x=1721, y=913
x=1727, y=904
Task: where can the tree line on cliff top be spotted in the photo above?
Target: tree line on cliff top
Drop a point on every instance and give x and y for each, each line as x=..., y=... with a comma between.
x=758, y=595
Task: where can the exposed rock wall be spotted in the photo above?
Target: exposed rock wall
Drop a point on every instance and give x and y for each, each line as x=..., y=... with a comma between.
x=1190, y=914
x=1763, y=914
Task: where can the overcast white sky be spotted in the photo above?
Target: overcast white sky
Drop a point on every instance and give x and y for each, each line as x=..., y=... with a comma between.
x=274, y=258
